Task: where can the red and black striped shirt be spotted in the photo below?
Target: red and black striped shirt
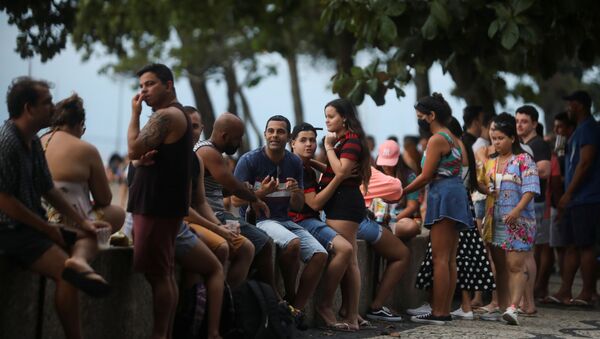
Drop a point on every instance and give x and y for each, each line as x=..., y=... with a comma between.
x=348, y=146
x=310, y=185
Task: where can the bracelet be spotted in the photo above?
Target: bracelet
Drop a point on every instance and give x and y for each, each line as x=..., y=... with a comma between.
x=328, y=149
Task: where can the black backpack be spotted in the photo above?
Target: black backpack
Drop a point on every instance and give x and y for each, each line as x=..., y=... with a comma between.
x=258, y=314
x=190, y=318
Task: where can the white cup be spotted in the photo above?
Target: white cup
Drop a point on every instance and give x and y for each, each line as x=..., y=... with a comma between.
x=233, y=225
x=103, y=237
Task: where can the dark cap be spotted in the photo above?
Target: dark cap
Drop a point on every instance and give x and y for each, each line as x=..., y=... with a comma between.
x=581, y=97
x=305, y=126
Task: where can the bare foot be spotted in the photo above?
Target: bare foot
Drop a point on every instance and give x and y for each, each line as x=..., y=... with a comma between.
x=327, y=314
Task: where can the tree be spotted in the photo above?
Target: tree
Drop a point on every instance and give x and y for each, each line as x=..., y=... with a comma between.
x=473, y=40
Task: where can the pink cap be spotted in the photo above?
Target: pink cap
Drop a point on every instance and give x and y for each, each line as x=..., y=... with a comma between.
x=388, y=153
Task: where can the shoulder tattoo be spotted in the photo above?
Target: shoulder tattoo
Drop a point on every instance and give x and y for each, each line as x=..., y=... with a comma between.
x=156, y=130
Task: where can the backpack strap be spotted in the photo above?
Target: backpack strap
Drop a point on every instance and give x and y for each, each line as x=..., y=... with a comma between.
x=260, y=296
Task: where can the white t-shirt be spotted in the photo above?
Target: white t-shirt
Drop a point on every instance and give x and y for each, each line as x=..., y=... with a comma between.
x=479, y=143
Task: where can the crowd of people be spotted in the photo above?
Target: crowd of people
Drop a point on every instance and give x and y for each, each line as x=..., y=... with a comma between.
x=499, y=200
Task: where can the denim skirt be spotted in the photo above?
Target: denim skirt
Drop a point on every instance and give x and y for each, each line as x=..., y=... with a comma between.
x=447, y=198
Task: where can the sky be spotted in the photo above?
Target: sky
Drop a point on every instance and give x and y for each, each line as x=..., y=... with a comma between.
x=108, y=101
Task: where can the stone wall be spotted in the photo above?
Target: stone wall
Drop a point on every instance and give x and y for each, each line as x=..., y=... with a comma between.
x=27, y=306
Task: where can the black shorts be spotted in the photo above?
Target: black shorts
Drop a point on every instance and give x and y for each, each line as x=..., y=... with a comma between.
x=23, y=244
x=347, y=203
x=580, y=225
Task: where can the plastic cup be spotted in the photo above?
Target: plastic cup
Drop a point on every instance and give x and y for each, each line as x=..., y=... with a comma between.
x=233, y=225
x=103, y=237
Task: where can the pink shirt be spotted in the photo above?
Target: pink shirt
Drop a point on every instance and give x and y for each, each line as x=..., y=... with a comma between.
x=382, y=186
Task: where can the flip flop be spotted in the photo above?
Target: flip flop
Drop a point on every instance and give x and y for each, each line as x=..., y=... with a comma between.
x=552, y=300
x=581, y=302
x=93, y=287
x=527, y=314
x=486, y=309
x=338, y=327
x=366, y=325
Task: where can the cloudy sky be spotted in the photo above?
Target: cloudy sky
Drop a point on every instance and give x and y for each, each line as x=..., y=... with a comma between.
x=107, y=100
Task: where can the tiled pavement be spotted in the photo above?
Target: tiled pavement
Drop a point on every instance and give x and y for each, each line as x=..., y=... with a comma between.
x=551, y=322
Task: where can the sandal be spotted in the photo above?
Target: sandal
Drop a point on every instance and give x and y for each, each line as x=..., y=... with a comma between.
x=93, y=287
x=339, y=327
x=366, y=325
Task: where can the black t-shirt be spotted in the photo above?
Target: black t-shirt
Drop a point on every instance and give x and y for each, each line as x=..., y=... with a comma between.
x=541, y=151
x=310, y=185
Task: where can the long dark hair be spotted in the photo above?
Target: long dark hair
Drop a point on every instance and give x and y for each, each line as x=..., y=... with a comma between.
x=507, y=124
x=436, y=103
x=346, y=109
x=454, y=127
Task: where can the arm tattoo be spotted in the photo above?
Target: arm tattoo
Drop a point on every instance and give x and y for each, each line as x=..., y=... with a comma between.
x=156, y=130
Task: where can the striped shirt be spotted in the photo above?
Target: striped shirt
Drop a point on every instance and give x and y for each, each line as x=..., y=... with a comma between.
x=348, y=146
x=213, y=190
x=310, y=186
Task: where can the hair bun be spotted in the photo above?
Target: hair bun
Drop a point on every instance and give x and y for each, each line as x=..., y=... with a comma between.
x=438, y=96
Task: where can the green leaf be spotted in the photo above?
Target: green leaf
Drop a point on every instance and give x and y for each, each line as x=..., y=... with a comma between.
x=387, y=29
x=429, y=29
x=357, y=94
x=339, y=27
x=438, y=11
x=356, y=72
x=520, y=6
x=372, y=68
x=501, y=10
x=493, y=29
x=372, y=86
x=395, y=8
x=510, y=35
x=399, y=92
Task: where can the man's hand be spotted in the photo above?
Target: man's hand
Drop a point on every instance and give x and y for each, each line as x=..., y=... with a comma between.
x=53, y=232
x=146, y=159
x=91, y=226
x=136, y=105
x=269, y=185
x=291, y=185
x=260, y=208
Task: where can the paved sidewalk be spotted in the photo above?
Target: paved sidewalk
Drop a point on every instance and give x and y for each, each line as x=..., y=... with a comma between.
x=551, y=322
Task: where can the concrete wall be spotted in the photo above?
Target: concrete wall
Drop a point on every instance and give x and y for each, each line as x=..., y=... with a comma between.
x=27, y=306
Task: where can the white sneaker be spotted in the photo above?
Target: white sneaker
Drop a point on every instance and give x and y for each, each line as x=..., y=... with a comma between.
x=510, y=316
x=460, y=314
x=423, y=309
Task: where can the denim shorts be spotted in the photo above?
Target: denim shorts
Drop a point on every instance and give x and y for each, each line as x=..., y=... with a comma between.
x=185, y=240
x=282, y=232
x=447, y=199
x=479, y=208
x=369, y=230
x=502, y=239
x=318, y=229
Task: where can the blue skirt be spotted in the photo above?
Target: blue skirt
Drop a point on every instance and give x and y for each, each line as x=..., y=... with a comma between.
x=447, y=198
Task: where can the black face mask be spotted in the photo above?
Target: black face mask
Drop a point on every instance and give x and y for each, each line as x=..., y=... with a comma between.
x=424, y=125
x=230, y=150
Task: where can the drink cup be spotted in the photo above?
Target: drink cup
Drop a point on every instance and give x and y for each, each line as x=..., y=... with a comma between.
x=103, y=237
x=233, y=225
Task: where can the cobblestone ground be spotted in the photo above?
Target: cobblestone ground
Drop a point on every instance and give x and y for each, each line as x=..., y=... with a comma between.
x=551, y=322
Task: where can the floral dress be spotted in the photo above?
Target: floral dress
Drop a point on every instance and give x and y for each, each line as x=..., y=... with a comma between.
x=518, y=177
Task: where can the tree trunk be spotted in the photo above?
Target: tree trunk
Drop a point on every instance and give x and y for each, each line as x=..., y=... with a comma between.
x=232, y=87
x=421, y=81
x=203, y=103
x=295, y=85
x=248, y=117
x=471, y=85
x=344, y=51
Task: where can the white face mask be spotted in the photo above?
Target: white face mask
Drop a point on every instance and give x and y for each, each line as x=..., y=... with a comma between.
x=420, y=148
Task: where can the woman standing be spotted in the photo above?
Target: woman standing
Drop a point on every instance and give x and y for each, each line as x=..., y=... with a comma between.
x=346, y=148
x=447, y=203
x=510, y=215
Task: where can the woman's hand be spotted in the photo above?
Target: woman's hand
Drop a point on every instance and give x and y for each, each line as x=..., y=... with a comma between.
x=512, y=217
x=330, y=140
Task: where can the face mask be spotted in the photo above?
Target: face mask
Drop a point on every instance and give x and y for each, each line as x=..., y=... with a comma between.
x=423, y=124
x=230, y=150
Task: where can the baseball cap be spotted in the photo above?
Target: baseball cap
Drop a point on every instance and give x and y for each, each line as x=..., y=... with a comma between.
x=305, y=126
x=581, y=97
x=388, y=153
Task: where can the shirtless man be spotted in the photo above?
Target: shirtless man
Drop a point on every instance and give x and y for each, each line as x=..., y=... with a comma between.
x=25, y=235
x=160, y=192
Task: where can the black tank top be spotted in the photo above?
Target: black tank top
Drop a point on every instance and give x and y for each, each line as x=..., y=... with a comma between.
x=163, y=189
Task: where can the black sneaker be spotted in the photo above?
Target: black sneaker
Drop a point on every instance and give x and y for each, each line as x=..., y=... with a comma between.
x=428, y=319
x=383, y=314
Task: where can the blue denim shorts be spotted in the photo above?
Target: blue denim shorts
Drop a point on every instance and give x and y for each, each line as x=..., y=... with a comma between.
x=447, y=199
x=479, y=208
x=323, y=233
x=369, y=231
x=186, y=240
x=282, y=232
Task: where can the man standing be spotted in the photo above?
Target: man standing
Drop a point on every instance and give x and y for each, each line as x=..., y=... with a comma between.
x=472, y=117
x=25, y=235
x=527, y=122
x=579, y=206
x=277, y=177
x=160, y=192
